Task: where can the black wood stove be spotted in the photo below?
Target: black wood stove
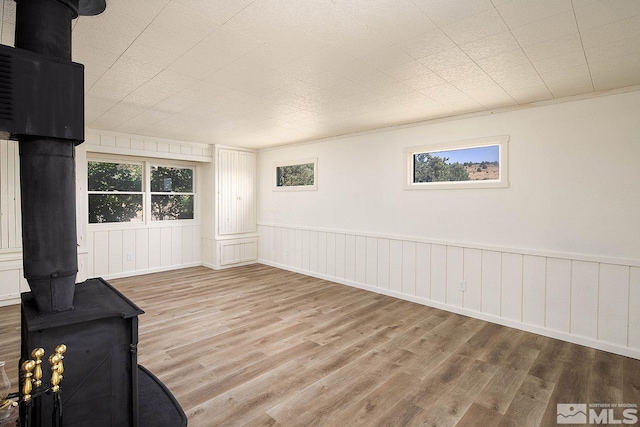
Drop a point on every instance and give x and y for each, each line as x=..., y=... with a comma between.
x=90, y=325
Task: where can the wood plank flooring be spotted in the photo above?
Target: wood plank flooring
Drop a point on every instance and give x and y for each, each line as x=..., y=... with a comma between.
x=259, y=346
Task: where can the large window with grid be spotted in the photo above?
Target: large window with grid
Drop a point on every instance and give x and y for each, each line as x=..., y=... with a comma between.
x=139, y=192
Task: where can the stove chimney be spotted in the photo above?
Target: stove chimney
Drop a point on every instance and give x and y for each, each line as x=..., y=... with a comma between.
x=43, y=109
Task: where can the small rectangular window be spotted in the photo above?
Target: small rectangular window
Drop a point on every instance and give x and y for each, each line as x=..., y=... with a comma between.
x=466, y=164
x=298, y=175
x=115, y=192
x=171, y=193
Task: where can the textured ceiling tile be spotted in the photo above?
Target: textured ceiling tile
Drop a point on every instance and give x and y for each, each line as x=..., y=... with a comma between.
x=613, y=50
x=218, y=10
x=117, y=115
x=503, y=60
x=608, y=33
x=567, y=60
x=482, y=25
x=550, y=28
x=572, y=87
x=143, y=120
x=112, y=32
x=8, y=11
x=605, y=12
x=554, y=47
x=427, y=44
x=577, y=73
x=531, y=94
x=444, y=12
x=403, y=21
x=7, y=35
x=165, y=40
x=490, y=46
x=143, y=10
x=452, y=64
x=190, y=68
x=518, y=13
x=616, y=72
x=95, y=60
x=387, y=57
x=186, y=22
x=265, y=72
x=115, y=85
x=132, y=66
x=150, y=55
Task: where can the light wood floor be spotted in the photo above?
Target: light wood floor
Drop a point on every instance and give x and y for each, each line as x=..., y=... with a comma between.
x=261, y=346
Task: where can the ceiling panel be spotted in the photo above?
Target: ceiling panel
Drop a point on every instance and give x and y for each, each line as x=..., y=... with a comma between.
x=258, y=73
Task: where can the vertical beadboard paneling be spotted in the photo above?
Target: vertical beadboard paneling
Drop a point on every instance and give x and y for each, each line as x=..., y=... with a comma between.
x=511, y=293
x=278, y=246
x=270, y=244
x=142, y=249
x=176, y=245
x=196, y=244
x=395, y=265
x=322, y=252
x=115, y=251
x=187, y=245
x=473, y=277
x=331, y=254
x=423, y=270
x=491, y=282
x=634, y=308
x=584, y=299
x=340, y=255
x=297, y=248
x=534, y=272
x=155, y=251
x=371, y=273
x=613, y=310
x=438, y=273
x=409, y=268
x=455, y=273
x=305, y=250
x=313, y=251
x=128, y=247
x=558, y=293
x=384, y=259
x=350, y=257
x=361, y=259
x=165, y=246
x=291, y=247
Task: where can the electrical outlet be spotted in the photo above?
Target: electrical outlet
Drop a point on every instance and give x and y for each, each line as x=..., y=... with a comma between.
x=463, y=285
x=129, y=256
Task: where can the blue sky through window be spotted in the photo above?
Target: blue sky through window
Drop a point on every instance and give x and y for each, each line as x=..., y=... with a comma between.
x=490, y=153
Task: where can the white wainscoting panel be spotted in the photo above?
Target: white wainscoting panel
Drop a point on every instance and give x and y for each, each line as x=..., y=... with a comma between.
x=130, y=251
x=585, y=300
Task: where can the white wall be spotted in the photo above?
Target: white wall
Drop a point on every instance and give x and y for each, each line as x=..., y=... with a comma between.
x=555, y=253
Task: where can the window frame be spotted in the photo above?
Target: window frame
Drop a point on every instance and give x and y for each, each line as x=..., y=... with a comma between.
x=146, y=177
x=141, y=192
x=314, y=187
x=150, y=193
x=501, y=141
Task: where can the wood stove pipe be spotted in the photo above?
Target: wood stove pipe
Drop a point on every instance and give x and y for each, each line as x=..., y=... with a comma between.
x=47, y=166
